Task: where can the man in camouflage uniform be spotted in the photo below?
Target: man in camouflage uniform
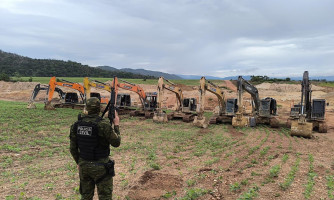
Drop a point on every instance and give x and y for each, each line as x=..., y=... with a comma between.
x=90, y=140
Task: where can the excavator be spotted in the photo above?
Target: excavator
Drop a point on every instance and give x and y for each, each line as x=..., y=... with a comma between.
x=123, y=101
x=96, y=84
x=226, y=110
x=148, y=100
x=263, y=110
x=37, y=89
x=185, y=107
x=71, y=98
x=309, y=115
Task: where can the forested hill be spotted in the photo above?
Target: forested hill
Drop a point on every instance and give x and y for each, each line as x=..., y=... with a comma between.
x=156, y=74
x=13, y=64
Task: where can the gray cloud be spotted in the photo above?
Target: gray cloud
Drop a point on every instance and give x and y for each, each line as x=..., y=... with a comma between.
x=220, y=38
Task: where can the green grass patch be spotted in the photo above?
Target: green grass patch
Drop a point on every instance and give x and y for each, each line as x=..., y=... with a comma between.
x=250, y=194
x=310, y=178
x=291, y=175
x=330, y=186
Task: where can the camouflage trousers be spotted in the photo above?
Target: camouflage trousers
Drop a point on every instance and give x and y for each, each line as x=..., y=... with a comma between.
x=89, y=173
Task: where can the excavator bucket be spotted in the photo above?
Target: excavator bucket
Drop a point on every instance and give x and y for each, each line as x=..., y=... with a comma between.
x=301, y=128
x=48, y=106
x=202, y=123
x=31, y=105
x=240, y=121
x=160, y=117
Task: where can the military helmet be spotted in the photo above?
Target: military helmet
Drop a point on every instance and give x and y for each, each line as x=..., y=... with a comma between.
x=93, y=105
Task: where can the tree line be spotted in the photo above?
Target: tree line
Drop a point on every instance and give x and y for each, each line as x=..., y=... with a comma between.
x=13, y=65
x=261, y=79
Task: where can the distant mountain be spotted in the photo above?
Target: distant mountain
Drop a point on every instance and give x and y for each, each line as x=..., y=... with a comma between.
x=213, y=77
x=143, y=72
x=195, y=77
x=247, y=78
x=13, y=64
x=327, y=78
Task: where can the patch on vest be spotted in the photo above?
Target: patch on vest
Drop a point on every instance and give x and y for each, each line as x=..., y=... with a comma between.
x=85, y=130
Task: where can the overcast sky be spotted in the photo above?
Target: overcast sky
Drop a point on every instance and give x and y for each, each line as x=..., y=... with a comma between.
x=199, y=37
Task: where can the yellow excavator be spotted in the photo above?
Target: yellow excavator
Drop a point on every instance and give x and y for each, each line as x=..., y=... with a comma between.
x=88, y=83
x=226, y=110
x=263, y=110
x=309, y=115
x=185, y=108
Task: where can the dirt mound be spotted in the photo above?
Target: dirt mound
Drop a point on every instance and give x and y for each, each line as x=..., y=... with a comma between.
x=285, y=87
x=17, y=86
x=230, y=85
x=153, y=185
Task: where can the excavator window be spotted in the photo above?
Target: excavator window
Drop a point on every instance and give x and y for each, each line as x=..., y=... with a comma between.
x=123, y=100
x=318, y=108
x=232, y=106
x=152, y=102
x=95, y=94
x=71, y=97
x=190, y=103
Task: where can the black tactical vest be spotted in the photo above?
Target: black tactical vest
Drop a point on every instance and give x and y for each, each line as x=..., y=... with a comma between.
x=88, y=141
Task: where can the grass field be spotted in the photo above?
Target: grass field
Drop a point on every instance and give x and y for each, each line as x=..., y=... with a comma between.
x=45, y=80
x=327, y=84
x=163, y=161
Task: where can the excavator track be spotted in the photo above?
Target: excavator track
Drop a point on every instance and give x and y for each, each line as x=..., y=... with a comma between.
x=213, y=120
x=322, y=127
x=274, y=123
x=188, y=118
x=149, y=115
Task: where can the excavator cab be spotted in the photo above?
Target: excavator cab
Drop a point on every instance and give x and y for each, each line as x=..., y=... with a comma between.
x=123, y=100
x=318, y=109
x=151, y=101
x=71, y=97
x=231, y=106
x=189, y=104
x=268, y=107
x=295, y=110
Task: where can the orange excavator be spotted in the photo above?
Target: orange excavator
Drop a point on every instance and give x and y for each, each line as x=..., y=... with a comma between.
x=71, y=99
x=148, y=100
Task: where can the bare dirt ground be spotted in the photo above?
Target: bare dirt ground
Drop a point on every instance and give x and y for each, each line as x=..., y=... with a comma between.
x=235, y=168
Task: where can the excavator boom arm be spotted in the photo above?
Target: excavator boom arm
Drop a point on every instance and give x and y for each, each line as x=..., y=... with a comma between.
x=173, y=88
x=219, y=93
x=53, y=83
x=245, y=85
